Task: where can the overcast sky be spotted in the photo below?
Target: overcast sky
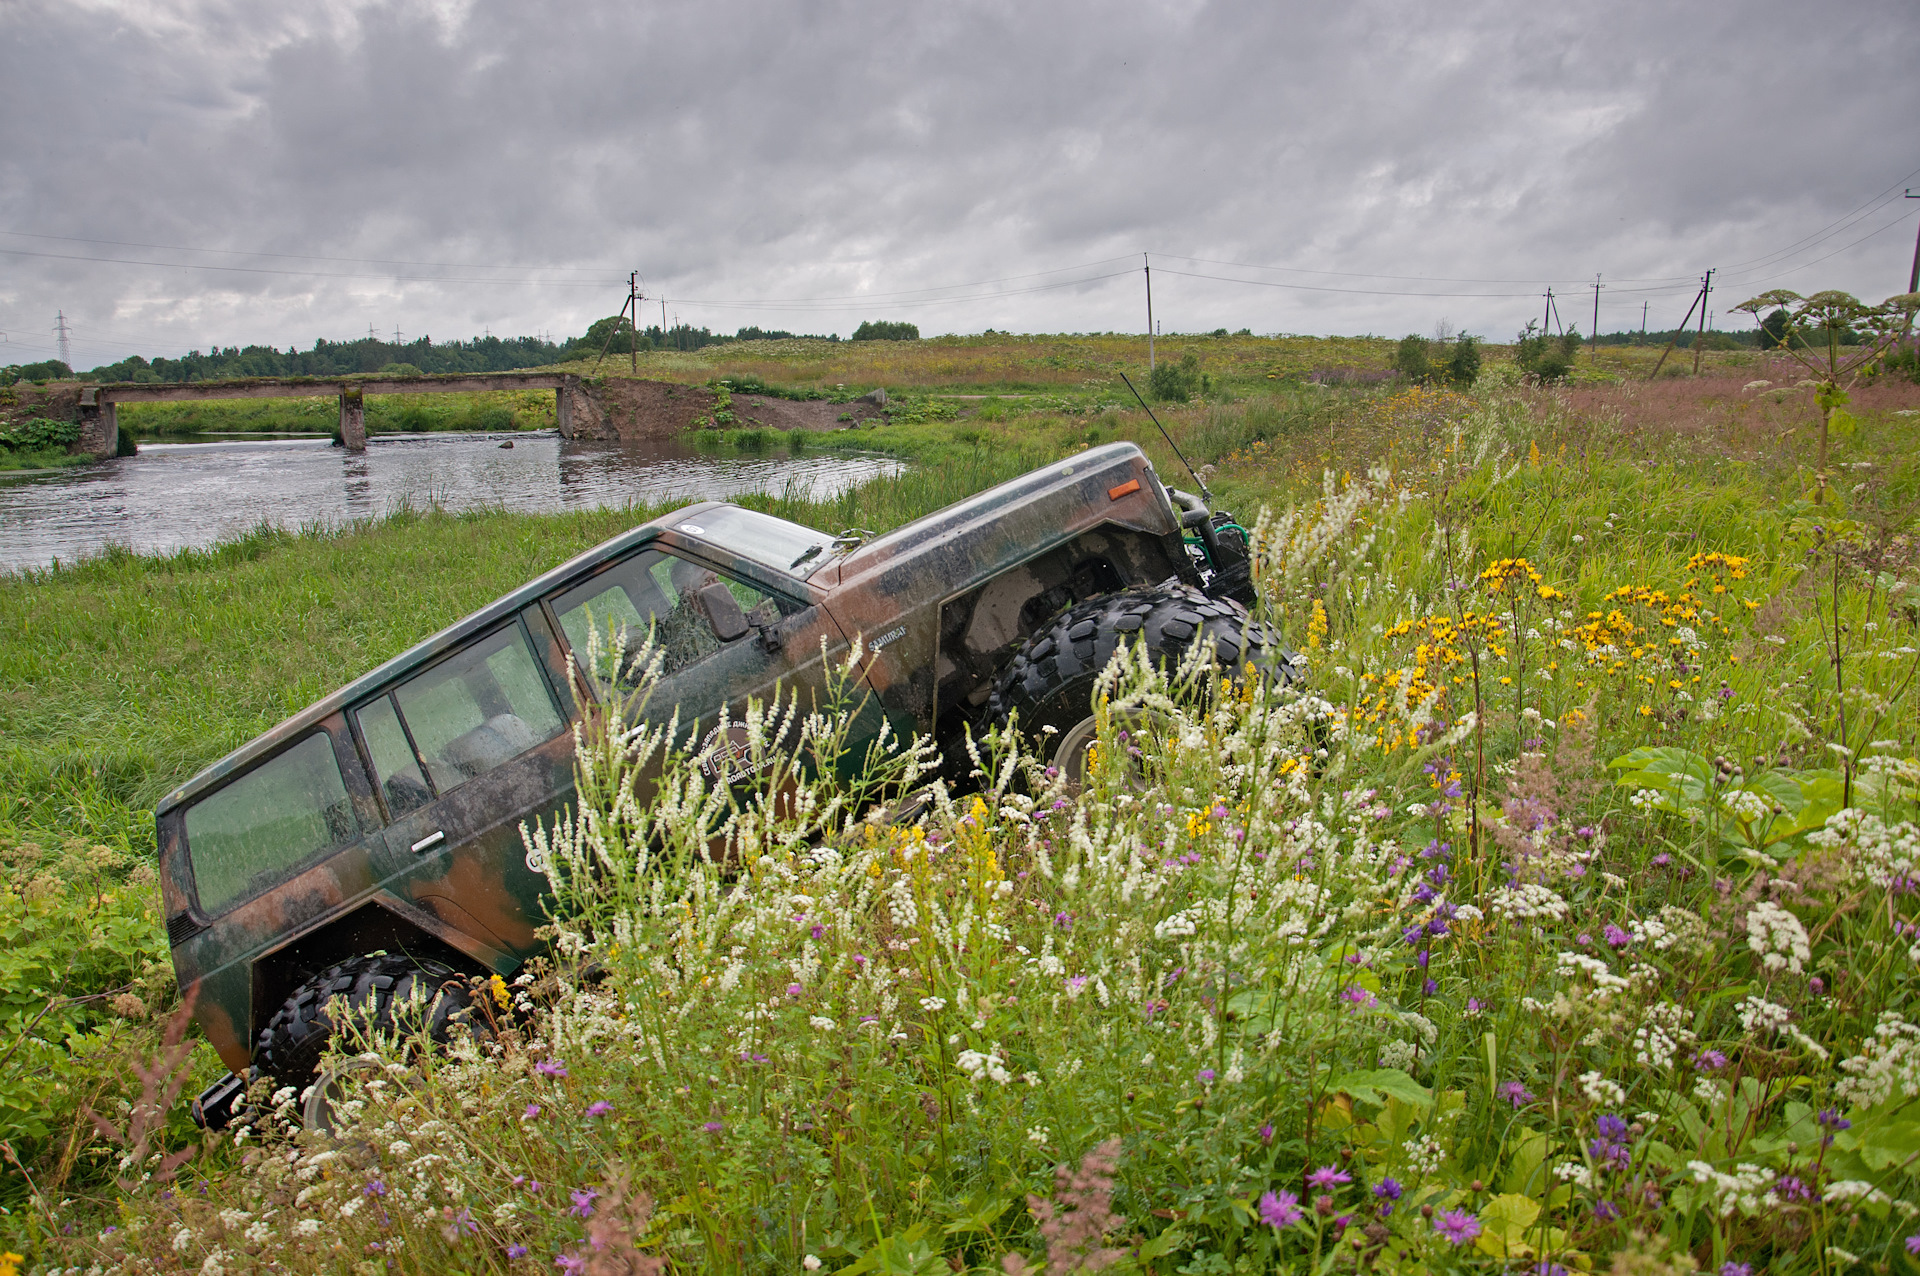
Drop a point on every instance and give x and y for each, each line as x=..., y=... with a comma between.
x=462, y=166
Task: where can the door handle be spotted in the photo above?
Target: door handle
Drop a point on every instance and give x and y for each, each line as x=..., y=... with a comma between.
x=430, y=841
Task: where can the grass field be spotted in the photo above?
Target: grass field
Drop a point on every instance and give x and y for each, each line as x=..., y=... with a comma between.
x=1485, y=1007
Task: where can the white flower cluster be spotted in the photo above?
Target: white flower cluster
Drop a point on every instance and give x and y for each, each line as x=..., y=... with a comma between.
x=1646, y=801
x=1605, y=982
x=1424, y=1154
x=1746, y=806
x=1529, y=901
x=1880, y=854
x=1600, y=1090
x=1777, y=937
x=1399, y=1054
x=1661, y=1035
x=1675, y=930
x=1745, y=1189
x=988, y=1066
x=1889, y=1060
x=1760, y=1015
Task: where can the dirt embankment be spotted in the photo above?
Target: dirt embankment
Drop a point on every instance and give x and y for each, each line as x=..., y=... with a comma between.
x=634, y=409
x=59, y=401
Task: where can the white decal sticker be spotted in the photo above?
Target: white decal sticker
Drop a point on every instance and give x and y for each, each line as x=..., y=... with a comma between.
x=899, y=631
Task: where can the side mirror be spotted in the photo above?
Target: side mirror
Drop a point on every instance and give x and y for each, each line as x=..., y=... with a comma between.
x=723, y=611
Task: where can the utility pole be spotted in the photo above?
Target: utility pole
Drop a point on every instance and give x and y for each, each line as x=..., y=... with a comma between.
x=663, y=323
x=1643, y=323
x=633, y=300
x=1698, y=298
x=1546, y=312
x=1913, y=277
x=1700, y=336
x=60, y=328
x=1593, y=340
x=1148, y=266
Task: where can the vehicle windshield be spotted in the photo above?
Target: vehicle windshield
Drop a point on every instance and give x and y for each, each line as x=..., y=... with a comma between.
x=761, y=538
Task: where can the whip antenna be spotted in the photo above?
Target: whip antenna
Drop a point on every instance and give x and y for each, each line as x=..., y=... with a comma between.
x=1198, y=481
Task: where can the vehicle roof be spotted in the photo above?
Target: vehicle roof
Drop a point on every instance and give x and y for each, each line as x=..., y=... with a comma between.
x=445, y=640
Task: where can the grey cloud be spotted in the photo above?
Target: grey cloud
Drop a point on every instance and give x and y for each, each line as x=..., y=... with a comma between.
x=752, y=150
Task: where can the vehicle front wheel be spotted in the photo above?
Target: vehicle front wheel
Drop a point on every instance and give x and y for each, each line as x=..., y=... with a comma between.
x=1050, y=682
x=382, y=992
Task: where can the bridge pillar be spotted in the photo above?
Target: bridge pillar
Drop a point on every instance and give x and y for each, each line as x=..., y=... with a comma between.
x=577, y=411
x=353, y=421
x=99, y=424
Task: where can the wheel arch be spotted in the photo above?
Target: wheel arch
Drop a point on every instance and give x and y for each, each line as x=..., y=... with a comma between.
x=380, y=923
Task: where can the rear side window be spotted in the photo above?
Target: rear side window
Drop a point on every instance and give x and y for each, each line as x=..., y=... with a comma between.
x=244, y=835
x=467, y=715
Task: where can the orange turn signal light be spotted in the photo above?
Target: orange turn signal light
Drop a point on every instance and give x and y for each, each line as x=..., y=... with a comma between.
x=1127, y=488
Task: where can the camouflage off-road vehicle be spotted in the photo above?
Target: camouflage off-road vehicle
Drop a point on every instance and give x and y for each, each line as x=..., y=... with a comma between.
x=369, y=847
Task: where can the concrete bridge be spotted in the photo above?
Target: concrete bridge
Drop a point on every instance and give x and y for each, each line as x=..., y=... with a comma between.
x=578, y=410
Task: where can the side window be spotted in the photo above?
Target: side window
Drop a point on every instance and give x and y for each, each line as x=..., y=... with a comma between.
x=267, y=821
x=468, y=714
x=611, y=613
x=401, y=784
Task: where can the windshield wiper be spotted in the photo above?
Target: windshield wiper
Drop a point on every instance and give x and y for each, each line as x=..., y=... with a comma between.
x=805, y=554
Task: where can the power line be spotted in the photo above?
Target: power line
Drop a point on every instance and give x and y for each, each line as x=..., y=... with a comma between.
x=249, y=252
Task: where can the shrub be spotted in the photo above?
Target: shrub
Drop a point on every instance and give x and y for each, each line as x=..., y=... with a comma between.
x=1463, y=364
x=1411, y=358
x=1546, y=358
x=881, y=330
x=39, y=434
x=1178, y=382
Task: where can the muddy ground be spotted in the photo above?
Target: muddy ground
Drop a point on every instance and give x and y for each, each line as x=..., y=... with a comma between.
x=661, y=409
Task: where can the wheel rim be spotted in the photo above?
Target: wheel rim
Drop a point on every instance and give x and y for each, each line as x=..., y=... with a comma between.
x=1072, y=753
x=317, y=1113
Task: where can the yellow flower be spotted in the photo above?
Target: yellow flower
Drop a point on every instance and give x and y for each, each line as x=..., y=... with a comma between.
x=499, y=988
x=10, y=1263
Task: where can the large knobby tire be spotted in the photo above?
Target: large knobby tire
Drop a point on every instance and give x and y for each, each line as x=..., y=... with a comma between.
x=1050, y=682
x=384, y=992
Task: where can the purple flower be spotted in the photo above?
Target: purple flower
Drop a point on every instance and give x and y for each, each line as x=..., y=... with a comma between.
x=1437, y=875
x=1817, y=986
x=1357, y=995
x=1913, y=1244
x=1430, y=988
x=1327, y=1176
x=1605, y=1211
x=583, y=1198
x=598, y=1108
x=1709, y=1061
x=1412, y=935
x=793, y=990
x=1611, y=1128
x=1280, y=1209
x=550, y=1068
x=713, y=1127
x=1832, y=1120
x=569, y=1264
x=1457, y=1226
x=1063, y=920
x=1387, y=1189
x=1661, y=860
x=1475, y=1005
x=1585, y=941
x=516, y=1251
x=1736, y=1269
x=459, y=1222
x=1516, y=1094
x=1789, y=1188
x=818, y=931
x=1616, y=938
x=374, y=1187
x=533, y=1110
x=1206, y=1076
x=1266, y=1133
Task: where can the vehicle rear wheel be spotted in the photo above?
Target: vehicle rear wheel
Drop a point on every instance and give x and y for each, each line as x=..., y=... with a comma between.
x=382, y=992
x=1050, y=682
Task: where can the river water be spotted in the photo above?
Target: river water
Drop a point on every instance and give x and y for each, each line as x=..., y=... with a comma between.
x=191, y=494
